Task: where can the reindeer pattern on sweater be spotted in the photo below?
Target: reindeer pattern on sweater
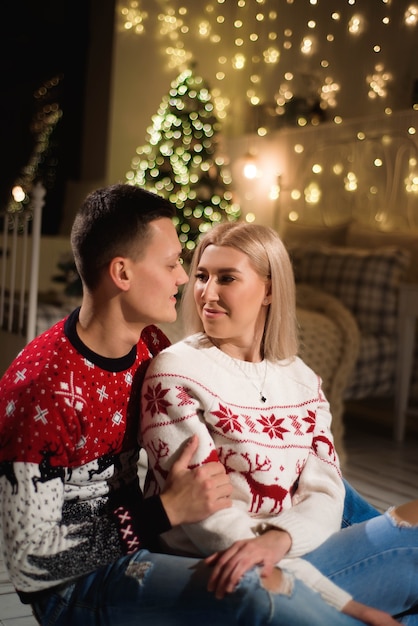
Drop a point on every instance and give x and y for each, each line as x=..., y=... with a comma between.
x=69, y=490
x=279, y=453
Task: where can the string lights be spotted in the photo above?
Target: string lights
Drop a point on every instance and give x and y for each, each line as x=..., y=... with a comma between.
x=276, y=63
x=277, y=55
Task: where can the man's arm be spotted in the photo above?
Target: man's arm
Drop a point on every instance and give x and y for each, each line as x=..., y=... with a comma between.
x=189, y=496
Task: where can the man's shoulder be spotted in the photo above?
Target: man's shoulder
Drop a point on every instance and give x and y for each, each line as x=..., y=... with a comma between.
x=43, y=353
x=155, y=339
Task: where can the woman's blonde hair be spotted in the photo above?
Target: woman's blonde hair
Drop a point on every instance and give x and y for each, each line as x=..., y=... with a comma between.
x=269, y=258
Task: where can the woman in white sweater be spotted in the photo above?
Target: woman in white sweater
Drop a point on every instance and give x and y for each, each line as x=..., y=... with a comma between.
x=258, y=408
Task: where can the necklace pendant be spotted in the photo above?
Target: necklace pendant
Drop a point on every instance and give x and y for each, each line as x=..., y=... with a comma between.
x=262, y=397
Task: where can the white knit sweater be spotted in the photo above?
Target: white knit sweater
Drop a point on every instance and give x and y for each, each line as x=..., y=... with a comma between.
x=279, y=453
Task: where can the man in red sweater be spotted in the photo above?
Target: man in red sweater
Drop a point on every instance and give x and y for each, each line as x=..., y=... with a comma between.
x=76, y=531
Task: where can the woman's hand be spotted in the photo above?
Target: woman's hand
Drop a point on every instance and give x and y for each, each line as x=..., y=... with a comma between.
x=230, y=565
x=369, y=615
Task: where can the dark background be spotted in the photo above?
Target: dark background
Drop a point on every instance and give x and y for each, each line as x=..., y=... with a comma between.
x=39, y=40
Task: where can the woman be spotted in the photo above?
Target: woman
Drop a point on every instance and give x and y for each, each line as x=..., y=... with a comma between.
x=255, y=406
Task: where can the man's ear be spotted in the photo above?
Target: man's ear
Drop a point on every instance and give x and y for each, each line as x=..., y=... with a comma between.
x=119, y=273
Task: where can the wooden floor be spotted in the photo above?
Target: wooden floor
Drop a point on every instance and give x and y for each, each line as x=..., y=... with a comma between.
x=383, y=471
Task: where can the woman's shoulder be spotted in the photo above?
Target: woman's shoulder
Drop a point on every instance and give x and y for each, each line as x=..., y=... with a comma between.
x=299, y=371
x=182, y=353
x=198, y=341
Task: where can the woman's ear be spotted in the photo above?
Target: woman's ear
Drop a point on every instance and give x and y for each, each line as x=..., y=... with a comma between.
x=267, y=297
x=119, y=273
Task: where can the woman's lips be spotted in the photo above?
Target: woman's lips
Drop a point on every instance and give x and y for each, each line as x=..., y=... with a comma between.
x=212, y=313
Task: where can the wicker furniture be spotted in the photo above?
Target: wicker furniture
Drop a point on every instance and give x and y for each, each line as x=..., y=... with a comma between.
x=329, y=342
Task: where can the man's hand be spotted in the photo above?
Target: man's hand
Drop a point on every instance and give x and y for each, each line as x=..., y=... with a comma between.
x=191, y=495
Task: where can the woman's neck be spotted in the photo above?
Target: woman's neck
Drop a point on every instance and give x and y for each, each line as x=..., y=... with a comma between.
x=235, y=350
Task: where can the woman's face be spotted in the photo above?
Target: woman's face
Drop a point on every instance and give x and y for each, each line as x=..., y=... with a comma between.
x=231, y=298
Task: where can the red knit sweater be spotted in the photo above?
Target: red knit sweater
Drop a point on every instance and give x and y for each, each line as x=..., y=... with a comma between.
x=70, y=497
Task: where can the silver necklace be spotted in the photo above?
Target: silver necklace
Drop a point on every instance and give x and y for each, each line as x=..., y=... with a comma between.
x=259, y=391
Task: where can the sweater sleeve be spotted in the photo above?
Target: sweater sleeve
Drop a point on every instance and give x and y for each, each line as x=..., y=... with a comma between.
x=173, y=409
x=170, y=414
x=318, y=501
x=305, y=571
x=166, y=423
x=151, y=521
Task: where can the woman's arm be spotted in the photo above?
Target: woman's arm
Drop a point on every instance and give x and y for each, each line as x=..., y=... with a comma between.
x=318, y=501
x=226, y=575
x=173, y=409
x=163, y=436
x=191, y=495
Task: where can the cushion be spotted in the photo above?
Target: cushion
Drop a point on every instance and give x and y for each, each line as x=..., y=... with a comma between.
x=374, y=374
x=366, y=281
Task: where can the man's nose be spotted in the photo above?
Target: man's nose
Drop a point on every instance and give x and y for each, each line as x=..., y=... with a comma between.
x=183, y=276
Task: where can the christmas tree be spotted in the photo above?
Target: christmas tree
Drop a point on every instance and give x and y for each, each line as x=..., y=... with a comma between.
x=180, y=160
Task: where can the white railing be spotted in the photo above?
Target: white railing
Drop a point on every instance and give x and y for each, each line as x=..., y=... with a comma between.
x=19, y=258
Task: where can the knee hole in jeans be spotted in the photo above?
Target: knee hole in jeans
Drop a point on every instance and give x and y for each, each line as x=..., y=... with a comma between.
x=138, y=570
x=278, y=582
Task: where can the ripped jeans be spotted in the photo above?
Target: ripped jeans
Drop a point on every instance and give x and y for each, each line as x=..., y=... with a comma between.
x=149, y=589
x=375, y=560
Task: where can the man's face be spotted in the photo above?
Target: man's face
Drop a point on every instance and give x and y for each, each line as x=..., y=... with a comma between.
x=157, y=275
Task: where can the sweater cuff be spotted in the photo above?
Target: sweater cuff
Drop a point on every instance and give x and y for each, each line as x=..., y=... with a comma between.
x=153, y=521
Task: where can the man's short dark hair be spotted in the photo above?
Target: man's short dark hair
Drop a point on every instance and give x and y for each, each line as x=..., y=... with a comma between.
x=109, y=222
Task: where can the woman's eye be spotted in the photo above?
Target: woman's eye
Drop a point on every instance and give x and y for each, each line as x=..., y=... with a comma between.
x=201, y=277
x=225, y=279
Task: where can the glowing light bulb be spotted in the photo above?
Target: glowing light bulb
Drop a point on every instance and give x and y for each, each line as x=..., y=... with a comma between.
x=411, y=15
x=18, y=194
x=250, y=169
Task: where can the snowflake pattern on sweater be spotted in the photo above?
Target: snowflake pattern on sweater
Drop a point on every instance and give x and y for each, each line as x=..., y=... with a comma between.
x=279, y=454
x=70, y=496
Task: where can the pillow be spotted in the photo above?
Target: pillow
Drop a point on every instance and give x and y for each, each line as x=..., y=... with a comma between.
x=366, y=281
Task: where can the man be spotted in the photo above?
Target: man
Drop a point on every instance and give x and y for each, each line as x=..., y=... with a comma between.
x=75, y=527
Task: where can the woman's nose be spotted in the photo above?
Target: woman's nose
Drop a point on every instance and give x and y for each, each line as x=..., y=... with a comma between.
x=210, y=292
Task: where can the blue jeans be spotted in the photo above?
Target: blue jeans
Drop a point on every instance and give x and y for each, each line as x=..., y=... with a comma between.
x=356, y=508
x=149, y=589
x=373, y=558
